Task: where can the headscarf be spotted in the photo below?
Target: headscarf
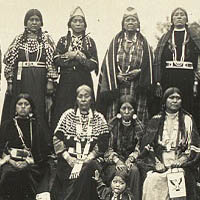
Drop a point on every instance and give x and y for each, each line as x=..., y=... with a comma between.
x=76, y=12
x=130, y=11
x=31, y=13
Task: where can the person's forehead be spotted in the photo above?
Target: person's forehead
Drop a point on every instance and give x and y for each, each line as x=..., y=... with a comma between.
x=179, y=11
x=175, y=95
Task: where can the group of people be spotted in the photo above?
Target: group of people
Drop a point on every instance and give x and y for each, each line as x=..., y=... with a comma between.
x=57, y=142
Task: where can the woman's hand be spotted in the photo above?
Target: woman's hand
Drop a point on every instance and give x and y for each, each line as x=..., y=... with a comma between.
x=71, y=161
x=160, y=167
x=81, y=57
x=195, y=88
x=43, y=196
x=69, y=55
x=96, y=175
x=122, y=78
x=129, y=163
x=133, y=74
x=120, y=165
x=4, y=160
x=9, y=88
x=158, y=90
x=50, y=87
x=18, y=164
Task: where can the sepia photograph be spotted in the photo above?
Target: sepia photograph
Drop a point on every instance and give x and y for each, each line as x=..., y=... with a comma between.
x=100, y=100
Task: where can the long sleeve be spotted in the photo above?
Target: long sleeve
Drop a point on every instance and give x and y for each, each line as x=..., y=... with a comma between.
x=10, y=58
x=92, y=60
x=50, y=48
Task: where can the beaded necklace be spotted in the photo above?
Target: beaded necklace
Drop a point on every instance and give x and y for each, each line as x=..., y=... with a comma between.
x=179, y=63
x=130, y=56
x=39, y=51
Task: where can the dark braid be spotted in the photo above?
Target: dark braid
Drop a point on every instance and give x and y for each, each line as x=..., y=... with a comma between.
x=161, y=125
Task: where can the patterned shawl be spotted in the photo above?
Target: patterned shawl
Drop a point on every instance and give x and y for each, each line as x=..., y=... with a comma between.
x=108, y=85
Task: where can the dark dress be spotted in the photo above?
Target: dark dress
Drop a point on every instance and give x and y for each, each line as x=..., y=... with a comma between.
x=72, y=73
x=27, y=182
x=33, y=79
x=65, y=139
x=182, y=78
x=125, y=142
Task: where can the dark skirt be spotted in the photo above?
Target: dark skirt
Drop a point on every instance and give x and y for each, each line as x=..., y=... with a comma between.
x=184, y=80
x=82, y=188
x=21, y=183
x=33, y=82
x=65, y=97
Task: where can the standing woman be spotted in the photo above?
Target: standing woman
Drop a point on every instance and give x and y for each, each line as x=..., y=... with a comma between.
x=29, y=67
x=177, y=60
x=126, y=69
x=76, y=56
x=23, y=154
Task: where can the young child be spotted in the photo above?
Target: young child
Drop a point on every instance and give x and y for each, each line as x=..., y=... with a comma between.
x=118, y=188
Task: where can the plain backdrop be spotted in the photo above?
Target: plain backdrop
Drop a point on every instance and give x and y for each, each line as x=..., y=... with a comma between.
x=103, y=18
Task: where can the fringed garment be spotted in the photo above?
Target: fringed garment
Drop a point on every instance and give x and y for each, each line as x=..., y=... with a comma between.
x=95, y=129
x=182, y=141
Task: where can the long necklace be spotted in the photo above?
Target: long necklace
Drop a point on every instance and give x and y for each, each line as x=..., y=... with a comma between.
x=21, y=133
x=179, y=63
x=81, y=133
x=39, y=52
x=130, y=56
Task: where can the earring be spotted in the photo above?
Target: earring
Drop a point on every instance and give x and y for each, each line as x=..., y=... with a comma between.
x=134, y=116
x=30, y=115
x=119, y=116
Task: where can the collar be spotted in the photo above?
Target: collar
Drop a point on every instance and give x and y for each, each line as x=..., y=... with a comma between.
x=182, y=29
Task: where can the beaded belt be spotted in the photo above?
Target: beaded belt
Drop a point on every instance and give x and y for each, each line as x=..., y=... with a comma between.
x=31, y=64
x=28, y=64
x=178, y=65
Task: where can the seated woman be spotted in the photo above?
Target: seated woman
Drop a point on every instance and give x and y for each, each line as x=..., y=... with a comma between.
x=172, y=141
x=23, y=155
x=79, y=139
x=126, y=134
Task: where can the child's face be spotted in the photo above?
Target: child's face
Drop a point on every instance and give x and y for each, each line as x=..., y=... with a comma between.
x=118, y=185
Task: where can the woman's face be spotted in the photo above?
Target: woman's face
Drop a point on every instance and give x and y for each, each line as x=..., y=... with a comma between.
x=126, y=111
x=77, y=25
x=118, y=185
x=173, y=103
x=23, y=108
x=34, y=23
x=130, y=23
x=84, y=100
x=179, y=19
